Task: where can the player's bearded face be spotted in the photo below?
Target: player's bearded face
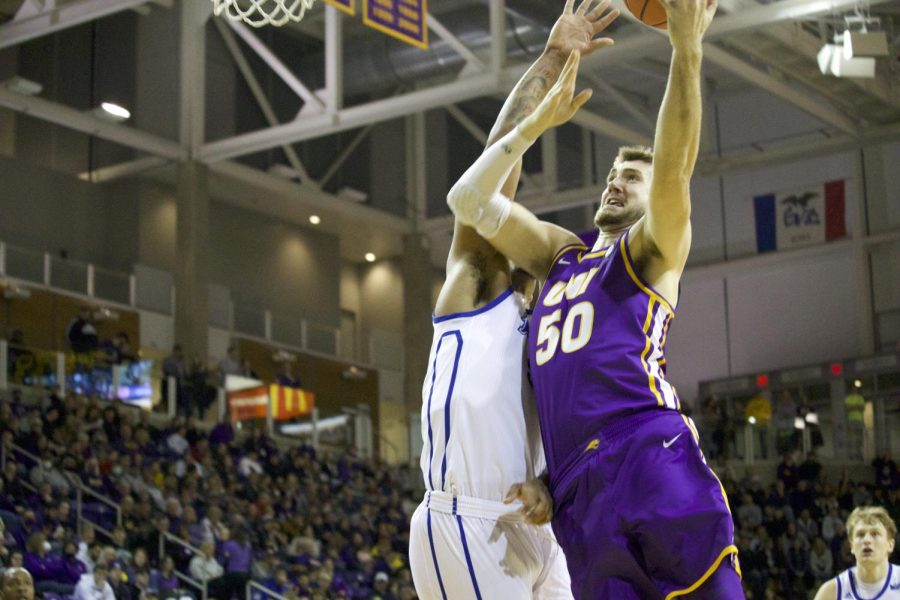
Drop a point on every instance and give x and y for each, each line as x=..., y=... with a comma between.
x=625, y=198
x=870, y=544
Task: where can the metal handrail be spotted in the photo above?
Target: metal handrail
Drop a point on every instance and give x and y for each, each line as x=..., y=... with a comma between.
x=200, y=585
x=80, y=490
x=269, y=593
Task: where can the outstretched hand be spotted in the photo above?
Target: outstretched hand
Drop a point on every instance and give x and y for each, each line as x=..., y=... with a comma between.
x=537, y=504
x=559, y=105
x=576, y=30
x=688, y=20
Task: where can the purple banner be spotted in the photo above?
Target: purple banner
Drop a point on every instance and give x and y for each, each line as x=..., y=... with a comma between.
x=405, y=20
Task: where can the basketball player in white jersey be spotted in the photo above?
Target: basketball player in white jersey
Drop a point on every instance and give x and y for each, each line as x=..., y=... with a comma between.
x=479, y=424
x=872, y=533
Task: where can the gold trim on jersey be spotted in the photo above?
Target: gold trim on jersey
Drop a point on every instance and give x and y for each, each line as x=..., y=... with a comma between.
x=648, y=344
x=562, y=251
x=637, y=280
x=732, y=549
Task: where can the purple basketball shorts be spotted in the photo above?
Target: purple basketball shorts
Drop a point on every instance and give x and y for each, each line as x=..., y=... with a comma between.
x=643, y=516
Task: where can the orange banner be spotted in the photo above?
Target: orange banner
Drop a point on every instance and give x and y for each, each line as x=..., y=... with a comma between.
x=249, y=403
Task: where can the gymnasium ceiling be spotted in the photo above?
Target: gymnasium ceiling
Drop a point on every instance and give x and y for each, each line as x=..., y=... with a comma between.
x=318, y=100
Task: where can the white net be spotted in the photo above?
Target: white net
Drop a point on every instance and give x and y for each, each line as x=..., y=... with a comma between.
x=263, y=12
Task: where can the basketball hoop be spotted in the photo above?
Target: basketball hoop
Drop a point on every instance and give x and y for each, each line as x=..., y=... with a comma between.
x=263, y=12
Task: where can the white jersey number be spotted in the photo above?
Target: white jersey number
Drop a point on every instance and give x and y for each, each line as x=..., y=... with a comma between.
x=549, y=337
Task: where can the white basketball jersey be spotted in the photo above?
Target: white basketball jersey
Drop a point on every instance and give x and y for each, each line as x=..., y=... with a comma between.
x=479, y=425
x=849, y=588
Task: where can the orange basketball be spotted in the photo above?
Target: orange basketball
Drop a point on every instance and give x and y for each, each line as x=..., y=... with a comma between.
x=649, y=12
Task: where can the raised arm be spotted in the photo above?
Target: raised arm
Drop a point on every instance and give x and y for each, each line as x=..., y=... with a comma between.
x=677, y=140
x=576, y=29
x=509, y=227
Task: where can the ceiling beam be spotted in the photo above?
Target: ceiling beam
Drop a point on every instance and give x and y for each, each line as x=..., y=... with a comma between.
x=779, y=88
x=350, y=118
x=125, y=169
x=276, y=64
x=288, y=195
x=61, y=17
x=549, y=201
x=479, y=85
x=90, y=124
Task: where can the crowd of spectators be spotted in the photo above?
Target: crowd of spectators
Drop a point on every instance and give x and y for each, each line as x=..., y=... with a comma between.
x=791, y=534
x=299, y=524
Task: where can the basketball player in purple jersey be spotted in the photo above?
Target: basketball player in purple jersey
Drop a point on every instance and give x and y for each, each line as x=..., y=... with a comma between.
x=638, y=512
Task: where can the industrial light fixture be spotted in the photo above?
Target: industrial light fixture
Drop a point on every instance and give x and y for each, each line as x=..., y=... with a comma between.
x=370, y=257
x=853, y=51
x=112, y=112
x=832, y=61
x=860, y=44
x=23, y=86
x=314, y=219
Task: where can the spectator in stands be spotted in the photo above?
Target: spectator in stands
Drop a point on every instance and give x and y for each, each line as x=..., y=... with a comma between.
x=166, y=582
x=759, y=415
x=380, y=585
x=72, y=567
x=204, y=566
x=249, y=465
x=749, y=514
x=821, y=562
x=94, y=586
x=237, y=555
x=231, y=364
x=810, y=469
x=16, y=584
x=82, y=334
x=247, y=369
x=855, y=408
x=787, y=471
x=286, y=376
x=119, y=351
x=201, y=392
x=47, y=569
x=174, y=366
x=118, y=581
x=785, y=432
x=886, y=474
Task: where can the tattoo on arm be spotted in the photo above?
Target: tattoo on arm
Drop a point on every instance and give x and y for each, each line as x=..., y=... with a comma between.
x=528, y=93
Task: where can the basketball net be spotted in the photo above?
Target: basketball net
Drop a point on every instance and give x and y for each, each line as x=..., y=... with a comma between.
x=263, y=12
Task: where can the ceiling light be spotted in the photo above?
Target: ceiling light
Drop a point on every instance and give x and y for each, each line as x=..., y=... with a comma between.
x=23, y=86
x=115, y=112
x=314, y=219
x=859, y=44
x=370, y=257
x=832, y=61
x=825, y=56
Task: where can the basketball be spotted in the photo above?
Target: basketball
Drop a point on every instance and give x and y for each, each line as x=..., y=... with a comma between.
x=648, y=12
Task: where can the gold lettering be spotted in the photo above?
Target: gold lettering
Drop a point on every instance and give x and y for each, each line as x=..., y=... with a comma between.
x=385, y=3
x=555, y=295
x=409, y=26
x=383, y=15
x=408, y=12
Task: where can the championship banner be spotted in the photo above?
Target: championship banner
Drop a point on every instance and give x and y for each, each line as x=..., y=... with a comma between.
x=804, y=217
x=347, y=6
x=288, y=402
x=406, y=20
x=247, y=398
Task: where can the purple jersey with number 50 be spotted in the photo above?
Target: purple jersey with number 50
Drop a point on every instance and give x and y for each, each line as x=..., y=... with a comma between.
x=596, y=349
